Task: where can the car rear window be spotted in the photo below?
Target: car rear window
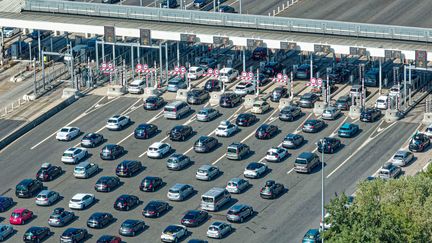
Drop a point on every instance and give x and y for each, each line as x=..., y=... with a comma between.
x=301, y=161
x=64, y=130
x=232, y=150
x=207, y=199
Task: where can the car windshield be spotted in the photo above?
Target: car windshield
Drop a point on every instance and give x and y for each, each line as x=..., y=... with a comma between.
x=232, y=184
x=174, y=190
x=257, y=105
x=75, y=200
x=21, y=187
x=79, y=169
x=202, y=171
x=173, y=160
x=212, y=228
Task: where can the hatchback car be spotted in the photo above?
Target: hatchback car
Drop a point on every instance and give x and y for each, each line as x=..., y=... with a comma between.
x=91, y=140
x=28, y=188
x=109, y=239
x=179, y=192
x=348, y=130
x=174, y=233
x=151, y=183
x=244, y=88
x=343, y=103
x=197, y=96
x=331, y=113
x=428, y=131
x=158, y=150
x=402, y=158
x=207, y=114
x=36, y=234
x=20, y=216
x=213, y=85
x=370, y=114
x=68, y=133
x=389, y=171
x=128, y=168
x=175, y=84
x=5, y=231
x=107, y=183
x=229, y=100
x=153, y=103
x=276, y=154
x=178, y=162
x=74, y=155
x=180, y=133
x=313, y=125
x=246, y=119
x=60, y=217
x=47, y=198
x=195, y=72
x=266, y=131
x=419, y=142
x=226, y=129
x=117, y=122
x=205, y=144
x=6, y=203
x=81, y=201
x=218, y=230
x=74, y=235
x=237, y=185
x=155, y=208
x=85, y=170
x=131, y=227
x=312, y=236
x=278, y=93
x=207, y=172
x=271, y=190
x=145, y=131
x=255, y=170
x=111, y=151
x=239, y=212
x=99, y=220
x=329, y=145
x=126, y=202
x=193, y=218
x=290, y=113
x=48, y=172
x=308, y=100
x=260, y=107
x=293, y=141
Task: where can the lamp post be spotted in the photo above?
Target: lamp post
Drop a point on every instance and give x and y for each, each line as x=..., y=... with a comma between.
x=322, y=187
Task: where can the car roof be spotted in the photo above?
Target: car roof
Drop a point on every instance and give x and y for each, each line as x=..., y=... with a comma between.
x=81, y=195
x=205, y=167
x=156, y=145
x=193, y=68
x=178, y=186
x=217, y=223
x=44, y=192
x=235, y=179
x=226, y=69
x=401, y=152
x=136, y=81
x=346, y=125
x=26, y=181
x=259, y=102
x=19, y=210
x=312, y=231
x=307, y=95
x=306, y=154
x=82, y=164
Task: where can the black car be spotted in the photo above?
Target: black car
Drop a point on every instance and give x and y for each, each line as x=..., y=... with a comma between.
x=109, y=239
x=419, y=142
x=74, y=235
x=229, y=100
x=370, y=114
x=131, y=227
x=6, y=203
x=153, y=103
x=48, y=172
x=343, y=103
x=226, y=9
x=272, y=68
x=60, y=217
x=91, y=140
x=151, y=183
x=313, y=125
x=194, y=218
x=126, y=202
x=259, y=53
x=293, y=141
x=36, y=234
x=246, y=119
x=107, y=183
x=180, y=133
x=278, y=93
x=197, y=96
x=290, y=113
x=128, y=168
x=266, y=131
x=329, y=144
x=205, y=144
x=155, y=209
x=99, y=220
x=28, y=188
x=145, y=131
x=271, y=190
x=111, y=151
x=213, y=85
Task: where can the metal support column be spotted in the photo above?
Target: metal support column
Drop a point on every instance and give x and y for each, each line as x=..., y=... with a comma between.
x=311, y=66
x=51, y=44
x=103, y=51
x=405, y=86
x=380, y=77
x=240, y=7
x=410, y=84
x=97, y=55
x=244, y=59
x=2, y=46
x=178, y=53
x=114, y=55
x=43, y=70
x=132, y=62
x=160, y=62
x=34, y=76
x=30, y=52
x=166, y=62
x=39, y=47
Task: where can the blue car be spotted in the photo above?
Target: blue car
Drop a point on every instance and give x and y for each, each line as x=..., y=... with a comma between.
x=312, y=236
x=6, y=203
x=348, y=130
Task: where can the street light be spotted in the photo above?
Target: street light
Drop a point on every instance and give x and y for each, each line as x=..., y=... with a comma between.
x=322, y=187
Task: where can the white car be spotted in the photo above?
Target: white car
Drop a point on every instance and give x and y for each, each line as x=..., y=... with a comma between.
x=244, y=88
x=81, y=201
x=137, y=86
x=326, y=224
x=174, y=233
x=382, y=102
x=255, y=170
x=226, y=129
x=276, y=154
x=85, y=170
x=68, y=133
x=74, y=155
x=218, y=230
x=195, y=72
x=158, y=150
x=8, y=32
x=428, y=131
x=402, y=158
x=117, y=122
x=237, y=185
x=260, y=107
x=227, y=75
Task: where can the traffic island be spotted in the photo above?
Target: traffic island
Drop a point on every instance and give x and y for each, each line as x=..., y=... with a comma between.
x=215, y=98
x=249, y=101
x=182, y=95
x=116, y=90
x=392, y=115
x=354, y=112
x=427, y=118
x=285, y=102
x=319, y=107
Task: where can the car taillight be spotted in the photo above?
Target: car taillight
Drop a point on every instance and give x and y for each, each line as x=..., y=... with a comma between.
x=312, y=126
x=45, y=199
x=174, y=110
x=45, y=176
x=276, y=155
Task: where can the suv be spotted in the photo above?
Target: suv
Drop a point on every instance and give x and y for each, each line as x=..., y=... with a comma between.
x=419, y=142
x=127, y=168
x=293, y=141
x=278, y=93
x=178, y=162
x=227, y=75
x=305, y=162
x=370, y=114
x=28, y=188
x=356, y=90
x=176, y=110
x=343, y=103
x=308, y=100
x=48, y=172
x=85, y=170
x=290, y=113
x=213, y=85
x=229, y=100
x=111, y=151
x=237, y=151
x=205, y=144
x=137, y=86
x=150, y=183
x=389, y=171
x=197, y=96
x=180, y=133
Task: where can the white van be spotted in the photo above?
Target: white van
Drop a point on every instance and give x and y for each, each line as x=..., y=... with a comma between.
x=214, y=199
x=227, y=75
x=382, y=102
x=137, y=86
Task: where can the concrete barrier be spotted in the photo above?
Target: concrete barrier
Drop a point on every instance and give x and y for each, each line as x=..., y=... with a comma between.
x=215, y=98
x=427, y=118
x=319, y=107
x=249, y=100
x=284, y=102
x=181, y=94
x=151, y=91
x=8, y=139
x=354, y=112
x=392, y=115
x=116, y=90
x=68, y=92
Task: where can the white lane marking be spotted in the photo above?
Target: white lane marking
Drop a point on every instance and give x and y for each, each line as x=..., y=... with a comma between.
x=149, y=121
x=131, y=108
x=290, y=171
x=409, y=138
x=141, y=155
x=234, y=2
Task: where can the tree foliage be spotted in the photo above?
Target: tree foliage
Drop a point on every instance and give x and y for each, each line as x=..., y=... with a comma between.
x=397, y=210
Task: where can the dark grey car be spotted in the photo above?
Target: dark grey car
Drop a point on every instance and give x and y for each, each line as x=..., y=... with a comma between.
x=308, y=100
x=178, y=162
x=239, y=212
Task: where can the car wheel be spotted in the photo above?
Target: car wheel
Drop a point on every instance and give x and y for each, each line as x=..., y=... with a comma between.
x=241, y=219
x=109, y=189
x=127, y=208
x=23, y=222
x=157, y=215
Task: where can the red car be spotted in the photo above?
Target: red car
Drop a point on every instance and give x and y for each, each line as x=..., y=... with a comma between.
x=109, y=239
x=20, y=216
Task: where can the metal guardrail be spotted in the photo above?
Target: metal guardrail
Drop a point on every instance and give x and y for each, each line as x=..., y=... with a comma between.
x=325, y=27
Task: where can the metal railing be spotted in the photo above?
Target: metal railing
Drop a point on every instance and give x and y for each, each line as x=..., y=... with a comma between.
x=325, y=27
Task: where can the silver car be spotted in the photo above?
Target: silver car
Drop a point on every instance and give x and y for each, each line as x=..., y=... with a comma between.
x=402, y=158
x=218, y=230
x=179, y=192
x=60, y=217
x=176, y=84
x=207, y=172
x=5, y=231
x=85, y=170
x=178, y=162
x=239, y=212
x=237, y=185
x=207, y=114
x=47, y=198
x=331, y=113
